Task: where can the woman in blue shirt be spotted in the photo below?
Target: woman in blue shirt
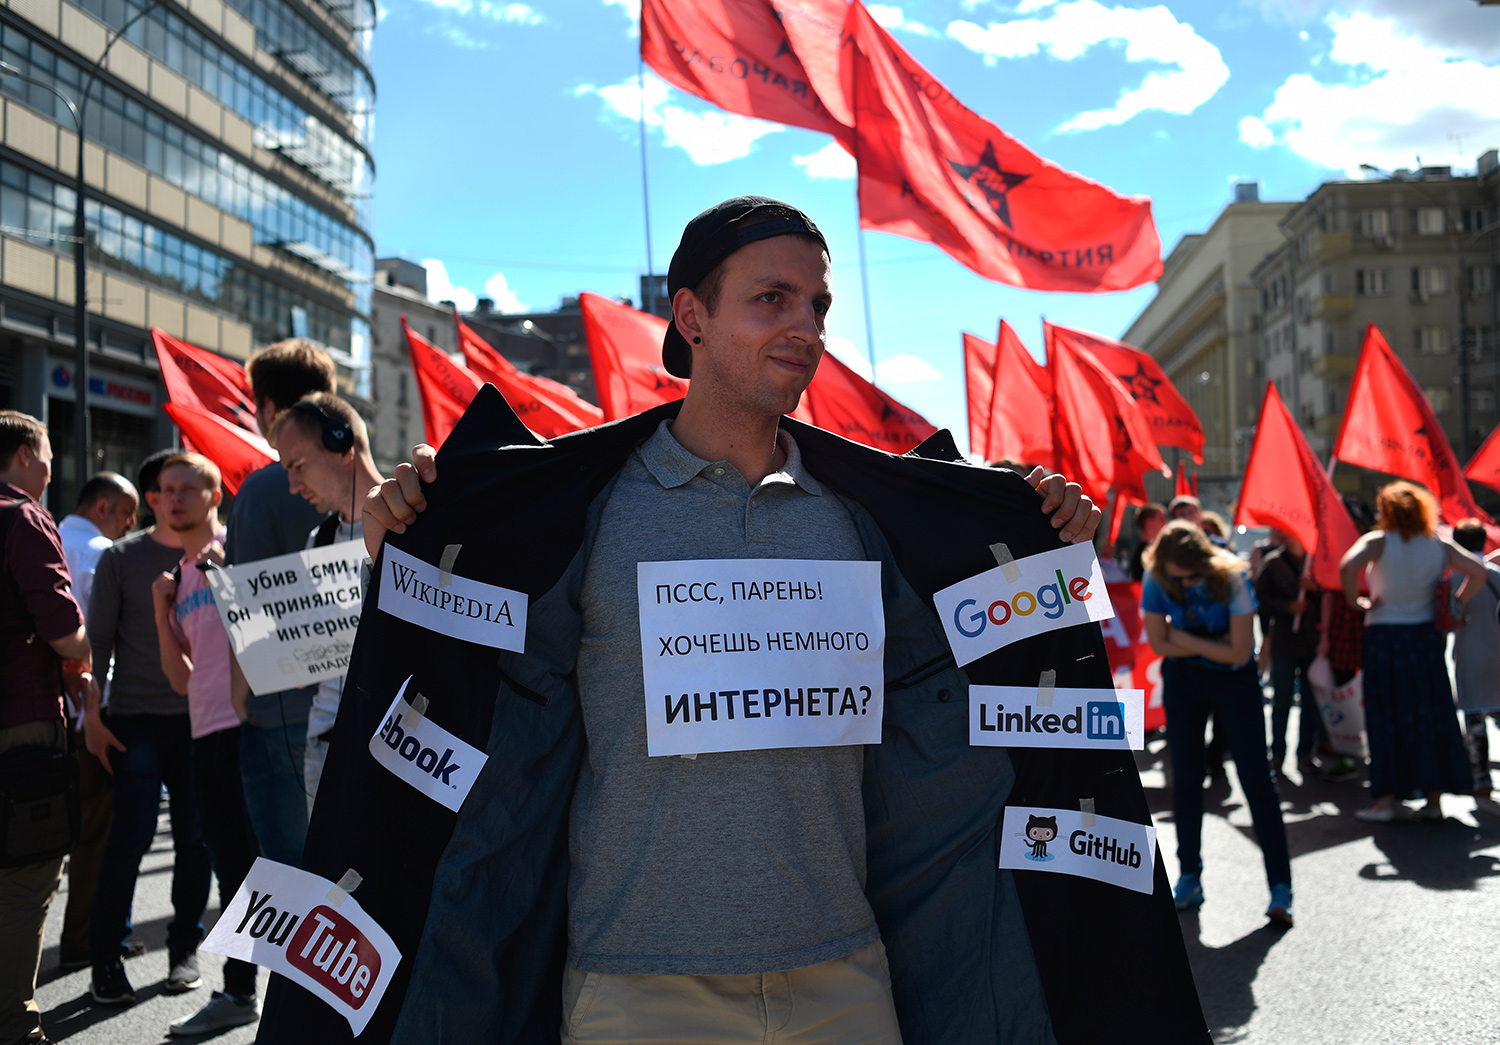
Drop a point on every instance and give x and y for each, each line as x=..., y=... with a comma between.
x=1199, y=609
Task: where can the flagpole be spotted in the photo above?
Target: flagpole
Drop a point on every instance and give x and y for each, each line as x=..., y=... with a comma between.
x=650, y=295
x=864, y=283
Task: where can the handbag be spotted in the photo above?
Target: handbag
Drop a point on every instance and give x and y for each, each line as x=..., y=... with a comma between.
x=1341, y=707
x=39, y=805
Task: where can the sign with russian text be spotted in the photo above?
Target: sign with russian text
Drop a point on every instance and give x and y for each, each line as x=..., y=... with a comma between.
x=1027, y=597
x=304, y=927
x=291, y=619
x=1058, y=841
x=1017, y=716
x=426, y=755
x=419, y=592
x=749, y=654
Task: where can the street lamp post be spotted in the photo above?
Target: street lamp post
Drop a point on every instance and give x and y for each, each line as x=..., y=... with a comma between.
x=81, y=454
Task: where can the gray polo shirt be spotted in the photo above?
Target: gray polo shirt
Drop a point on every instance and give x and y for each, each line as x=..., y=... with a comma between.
x=731, y=863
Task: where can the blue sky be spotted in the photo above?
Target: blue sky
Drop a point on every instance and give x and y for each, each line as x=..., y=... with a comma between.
x=507, y=145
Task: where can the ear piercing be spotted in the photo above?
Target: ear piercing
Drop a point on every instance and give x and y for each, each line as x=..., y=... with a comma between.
x=697, y=341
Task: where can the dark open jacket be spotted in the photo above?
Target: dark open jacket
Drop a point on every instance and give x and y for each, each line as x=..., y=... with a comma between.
x=477, y=900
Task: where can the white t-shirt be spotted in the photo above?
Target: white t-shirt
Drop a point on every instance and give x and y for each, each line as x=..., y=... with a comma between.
x=325, y=705
x=82, y=545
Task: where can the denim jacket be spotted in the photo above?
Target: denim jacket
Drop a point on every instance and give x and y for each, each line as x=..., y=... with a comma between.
x=476, y=900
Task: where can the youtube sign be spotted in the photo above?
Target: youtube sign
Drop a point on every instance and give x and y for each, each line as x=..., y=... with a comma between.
x=309, y=930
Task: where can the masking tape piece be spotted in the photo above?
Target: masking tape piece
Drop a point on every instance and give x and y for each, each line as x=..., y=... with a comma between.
x=418, y=709
x=1086, y=807
x=346, y=885
x=1007, y=562
x=1045, y=687
x=445, y=565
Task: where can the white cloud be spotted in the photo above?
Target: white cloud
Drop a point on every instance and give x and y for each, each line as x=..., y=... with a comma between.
x=832, y=162
x=708, y=137
x=441, y=288
x=853, y=358
x=1151, y=34
x=505, y=13
x=632, y=9
x=904, y=370
x=498, y=291
x=893, y=18
x=1398, y=97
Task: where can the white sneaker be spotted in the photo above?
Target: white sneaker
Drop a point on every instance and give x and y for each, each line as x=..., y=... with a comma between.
x=221, y=1013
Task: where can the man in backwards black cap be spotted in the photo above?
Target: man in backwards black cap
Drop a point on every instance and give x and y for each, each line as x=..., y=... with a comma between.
x=717, y=898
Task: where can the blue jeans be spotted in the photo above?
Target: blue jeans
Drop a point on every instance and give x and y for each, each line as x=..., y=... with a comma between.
x=157, y=752
x=221, y=796
x=271, y=760
x=1289, y=674
x=1190, y=694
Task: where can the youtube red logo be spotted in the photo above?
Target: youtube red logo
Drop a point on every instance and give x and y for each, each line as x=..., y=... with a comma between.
x=314, y=933
x=328, y=948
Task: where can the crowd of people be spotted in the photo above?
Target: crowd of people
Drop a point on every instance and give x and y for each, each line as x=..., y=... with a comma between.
x=1404, y=589
x=115, y=659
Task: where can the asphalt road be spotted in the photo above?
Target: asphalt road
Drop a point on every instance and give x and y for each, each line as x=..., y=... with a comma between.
x=1397, y=940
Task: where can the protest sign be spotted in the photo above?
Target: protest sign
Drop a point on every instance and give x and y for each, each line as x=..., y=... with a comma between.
x=424, y=754
x=291, y=619
x=425, y=595
x=1025, y=597
x=1020, y=716
x=1119, y=852
x=747, y=654
x=312, y=932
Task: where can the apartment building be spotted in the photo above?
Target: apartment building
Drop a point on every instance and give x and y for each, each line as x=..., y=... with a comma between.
x=227, y=183
x=396, y=405
x=1203, y=328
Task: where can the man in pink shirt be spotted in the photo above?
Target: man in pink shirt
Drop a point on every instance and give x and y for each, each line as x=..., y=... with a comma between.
x=196, y=657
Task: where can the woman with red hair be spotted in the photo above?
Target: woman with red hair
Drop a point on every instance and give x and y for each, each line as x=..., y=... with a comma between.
x=1415, y=743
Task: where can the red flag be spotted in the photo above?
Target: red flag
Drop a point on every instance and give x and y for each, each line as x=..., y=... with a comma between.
x=1389, y=426
x=549, y=408
x=778, y=63
x=235, y=450
x=1101, y=436
x=625, y=346
x=933, y=170
x=447, y=388
x=1287, y=488
x=197, y=377
x=1195, y=484
x=1021, y=411
x=1182, y=489
x=842, y=402
x=1173, y=422
x=979, y=391
x=1484, y=466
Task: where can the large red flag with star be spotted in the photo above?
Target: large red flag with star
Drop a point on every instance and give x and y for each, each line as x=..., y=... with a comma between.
x=1173, y=422
x=1286, y=487
x=447, y=388
x=1021, y=410
x=625, y=346
x=1484, y=466
x=842, y=402
x=549, y=408
x=1390, y=426
x=237, y=451
x=197, y=377
x=933, y=170
x=1101, y=436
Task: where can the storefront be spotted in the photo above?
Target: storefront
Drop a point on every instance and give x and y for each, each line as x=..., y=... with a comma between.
x=124, y=411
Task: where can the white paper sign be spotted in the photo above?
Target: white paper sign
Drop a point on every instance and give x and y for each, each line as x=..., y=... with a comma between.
x=484, y=613
x=1010, y=716
x=748, y=654
x=1055, y=589
x=1120, y=852
x=283, y=918
x=291, y=619
x=426, y=755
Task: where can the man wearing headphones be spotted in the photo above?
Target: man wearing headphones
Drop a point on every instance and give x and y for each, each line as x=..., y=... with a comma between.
x=326, y=453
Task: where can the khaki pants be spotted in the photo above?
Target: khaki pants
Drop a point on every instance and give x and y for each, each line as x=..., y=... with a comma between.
x=843, y=1002
x=25, y=894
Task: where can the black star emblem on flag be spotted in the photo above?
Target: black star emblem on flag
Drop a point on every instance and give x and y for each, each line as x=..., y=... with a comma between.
x=988, y=178
x=1141, y=384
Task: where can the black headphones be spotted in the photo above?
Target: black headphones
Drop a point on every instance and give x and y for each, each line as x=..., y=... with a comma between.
x=338, y=437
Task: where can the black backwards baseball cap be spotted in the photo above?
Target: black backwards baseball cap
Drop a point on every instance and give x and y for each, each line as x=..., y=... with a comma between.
x=710, y=238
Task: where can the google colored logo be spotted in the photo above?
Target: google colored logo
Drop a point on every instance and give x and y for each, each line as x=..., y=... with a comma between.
x=1053, y=599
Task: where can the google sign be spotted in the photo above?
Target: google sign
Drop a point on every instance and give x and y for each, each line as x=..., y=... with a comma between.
x=1055, y=589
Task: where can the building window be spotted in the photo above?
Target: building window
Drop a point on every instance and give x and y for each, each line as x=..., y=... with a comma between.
x=1431, y=221
x=1431, y=341
x=1375, y=222
x=1479, y=279
x=1474, y=219
x=1429, y=279
x=1482, y=400
x=1372, y=282
x=1438, y=397
x=1478, y=340
x=1330, y=345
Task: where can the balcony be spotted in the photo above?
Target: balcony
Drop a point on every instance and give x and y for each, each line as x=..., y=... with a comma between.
x=1332, y=306
x=1334, y=364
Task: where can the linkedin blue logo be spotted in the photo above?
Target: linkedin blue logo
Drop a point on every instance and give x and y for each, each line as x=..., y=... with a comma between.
x=1106, y=720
